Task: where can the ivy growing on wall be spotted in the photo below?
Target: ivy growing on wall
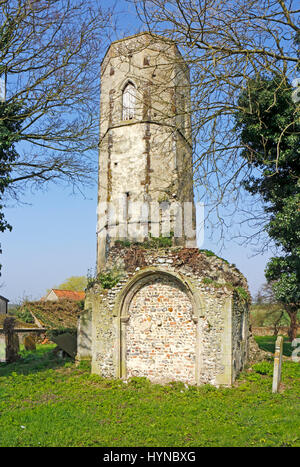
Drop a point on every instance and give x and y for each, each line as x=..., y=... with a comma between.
x=240, y=291
x=107, y=279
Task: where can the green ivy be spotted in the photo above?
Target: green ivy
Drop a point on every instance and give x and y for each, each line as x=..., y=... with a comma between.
x=25, y=316
x=241, y=292
x=208, y=281
x=123, y=243
x=109, y=279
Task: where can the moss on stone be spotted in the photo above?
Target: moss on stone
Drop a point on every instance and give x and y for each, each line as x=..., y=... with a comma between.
x=123, y=243
x=243, y=294
x=151, y=243
x=240, y=291
x=211, y=253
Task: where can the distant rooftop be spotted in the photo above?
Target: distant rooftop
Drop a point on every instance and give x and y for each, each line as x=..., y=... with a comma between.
x=3, y=298
x=69, y=294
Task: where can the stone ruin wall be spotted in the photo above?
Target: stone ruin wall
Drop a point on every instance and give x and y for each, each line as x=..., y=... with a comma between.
x=160, y=335
x=221, y=351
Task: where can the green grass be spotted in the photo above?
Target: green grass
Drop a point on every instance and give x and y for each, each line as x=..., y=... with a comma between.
x=45, y=401
x=33, y=361
x=267, y=343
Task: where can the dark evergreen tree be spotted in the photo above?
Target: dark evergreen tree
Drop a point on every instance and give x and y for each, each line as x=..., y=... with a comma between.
x=10, y=125
x=268, y=121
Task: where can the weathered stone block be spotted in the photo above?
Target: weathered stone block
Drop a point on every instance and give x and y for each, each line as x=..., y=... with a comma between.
x=167, y=325
x=66, y=342
x=84, y=334
x=12, y=345
x=29, y=343
x=277, y=364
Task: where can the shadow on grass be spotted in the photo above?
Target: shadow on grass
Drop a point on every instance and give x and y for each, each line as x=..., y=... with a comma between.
x=267, y=343
x=41, y=359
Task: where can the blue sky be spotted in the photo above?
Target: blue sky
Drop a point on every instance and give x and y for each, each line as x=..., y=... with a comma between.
x=55, y=237
x=54, y=234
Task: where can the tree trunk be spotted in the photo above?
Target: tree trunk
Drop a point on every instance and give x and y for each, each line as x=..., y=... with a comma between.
x=277, y=325
x=292, y=332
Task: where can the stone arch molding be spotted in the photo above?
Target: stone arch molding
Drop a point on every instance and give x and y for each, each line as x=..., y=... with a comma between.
x=123, y=301
x=129, y=79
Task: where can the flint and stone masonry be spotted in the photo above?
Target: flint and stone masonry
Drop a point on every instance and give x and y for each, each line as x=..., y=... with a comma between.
x=168, y=314
x=145, y=141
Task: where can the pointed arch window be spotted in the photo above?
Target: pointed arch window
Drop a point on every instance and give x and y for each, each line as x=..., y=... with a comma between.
x=129, y=98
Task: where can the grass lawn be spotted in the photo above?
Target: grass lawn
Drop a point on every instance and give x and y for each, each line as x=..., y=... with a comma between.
x=267, y=343
x=45, y=401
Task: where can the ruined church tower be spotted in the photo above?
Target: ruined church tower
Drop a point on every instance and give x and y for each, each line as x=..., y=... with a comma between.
x=145, y=157
x=161, y=310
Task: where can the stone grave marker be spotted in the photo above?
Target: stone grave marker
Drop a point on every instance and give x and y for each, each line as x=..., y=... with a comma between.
x=2, y=348
x=277, y=364
x=84, y=335
x=12, y=345
x=66, y=342
x=29, y=342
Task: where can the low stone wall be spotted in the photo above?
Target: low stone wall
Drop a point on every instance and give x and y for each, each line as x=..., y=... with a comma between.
x=269, y=330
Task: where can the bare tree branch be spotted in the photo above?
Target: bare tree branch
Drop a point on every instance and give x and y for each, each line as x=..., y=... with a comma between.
x=50, y=52
x=225, y=43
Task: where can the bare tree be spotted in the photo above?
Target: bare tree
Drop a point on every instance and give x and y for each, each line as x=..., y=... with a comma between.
x=225, y=43
x=50, y=52
x=265, y=294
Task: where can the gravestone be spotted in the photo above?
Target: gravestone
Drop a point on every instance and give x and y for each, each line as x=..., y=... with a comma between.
x=11, y=340
x=277, y=364
x=66, y=342
x=84, y=335
x=29, y=343
x=2, y=348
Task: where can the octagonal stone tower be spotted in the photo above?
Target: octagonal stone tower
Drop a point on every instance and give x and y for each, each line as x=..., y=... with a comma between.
x=145, y=158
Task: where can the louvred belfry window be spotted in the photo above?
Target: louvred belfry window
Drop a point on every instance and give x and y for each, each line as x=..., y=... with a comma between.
x=128, y=101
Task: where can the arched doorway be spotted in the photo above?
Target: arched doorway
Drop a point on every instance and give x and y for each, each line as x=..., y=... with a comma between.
x=158, y=328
